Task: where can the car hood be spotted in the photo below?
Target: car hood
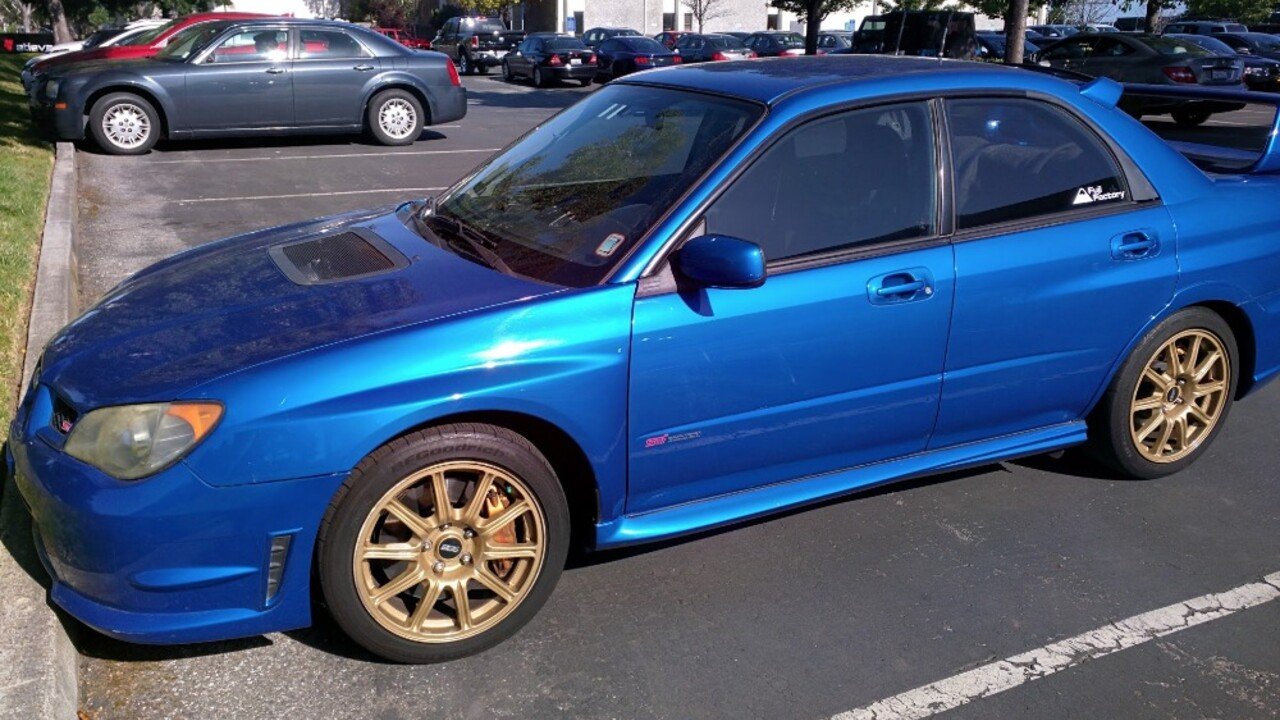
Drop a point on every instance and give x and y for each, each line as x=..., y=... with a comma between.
x=122, y=52
x=228, y=306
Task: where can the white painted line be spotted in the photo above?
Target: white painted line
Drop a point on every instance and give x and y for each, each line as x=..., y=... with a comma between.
x=1011, y=672
x=406, y=191
x=406, y=153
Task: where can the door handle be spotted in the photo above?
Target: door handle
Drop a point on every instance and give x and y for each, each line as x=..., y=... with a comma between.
x=275, y=71
x=363, y=68
x=900, y=286
x=1135, y=245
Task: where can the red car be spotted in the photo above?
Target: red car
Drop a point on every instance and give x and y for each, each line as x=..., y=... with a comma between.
x=405, y=38
x=145, y=45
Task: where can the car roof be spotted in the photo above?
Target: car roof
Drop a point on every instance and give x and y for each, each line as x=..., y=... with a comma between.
x=770, y=79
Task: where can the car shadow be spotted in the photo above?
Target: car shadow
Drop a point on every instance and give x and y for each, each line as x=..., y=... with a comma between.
x=496, y=92
x=260, y=142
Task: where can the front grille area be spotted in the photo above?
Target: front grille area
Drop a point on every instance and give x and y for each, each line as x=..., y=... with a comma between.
x=336, y=257
x=64, y=416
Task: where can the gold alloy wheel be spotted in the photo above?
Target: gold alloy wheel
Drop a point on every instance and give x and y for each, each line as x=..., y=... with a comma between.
x=1180, y=396
x=449, y=551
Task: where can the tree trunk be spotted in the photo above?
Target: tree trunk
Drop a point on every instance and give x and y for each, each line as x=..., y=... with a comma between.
x=58, y=18
x=812, y=24
x=27, y=12
x=1153, y=15
x=1015, y=32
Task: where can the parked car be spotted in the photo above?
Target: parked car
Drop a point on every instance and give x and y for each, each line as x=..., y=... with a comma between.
x=648, y=317
x=737, y=33
x=832, y=40
x=548, y=58
x=142, y=45
x=1054, y=32
x=930, y=33
x=476, y=44
x=870, y=35
x=245, y=77
x=405, y=38
x=669, y=37
x=1151, y=59
x=107, y=37
x=624, y=55
x=595, y=36
x=1252, y=43
x=1260, y=73
x=1203, y=27
x=695, y=48
x=775, y=43
x=1097, y=28
x=991, y=47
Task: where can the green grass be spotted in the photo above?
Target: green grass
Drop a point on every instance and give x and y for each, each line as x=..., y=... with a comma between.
x=26, y=163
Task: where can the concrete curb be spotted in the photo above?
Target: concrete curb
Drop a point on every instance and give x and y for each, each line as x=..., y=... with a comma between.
x=38, y=663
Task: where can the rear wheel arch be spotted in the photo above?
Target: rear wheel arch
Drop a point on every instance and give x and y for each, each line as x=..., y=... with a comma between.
x=427, y=106
x=1246, y=343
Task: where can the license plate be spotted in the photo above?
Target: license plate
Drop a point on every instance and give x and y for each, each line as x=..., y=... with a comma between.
x=1220, y=74
x=575, y=61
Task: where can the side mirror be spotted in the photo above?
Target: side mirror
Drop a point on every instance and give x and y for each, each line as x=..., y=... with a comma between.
x=720, y=261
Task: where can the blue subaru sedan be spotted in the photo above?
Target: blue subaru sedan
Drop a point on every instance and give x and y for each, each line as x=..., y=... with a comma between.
x=699, y=295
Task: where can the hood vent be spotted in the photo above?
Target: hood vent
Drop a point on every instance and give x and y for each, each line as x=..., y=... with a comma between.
x=352, y=254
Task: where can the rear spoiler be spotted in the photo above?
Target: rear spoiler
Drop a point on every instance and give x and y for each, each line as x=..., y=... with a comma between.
x=1217, y=100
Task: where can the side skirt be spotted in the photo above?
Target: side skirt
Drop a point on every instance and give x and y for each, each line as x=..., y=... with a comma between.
x=747, y=504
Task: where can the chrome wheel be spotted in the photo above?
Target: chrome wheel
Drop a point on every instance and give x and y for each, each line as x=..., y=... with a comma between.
x=449, y=552
x=1180, y=397
x=397, y=118
x=126, y=125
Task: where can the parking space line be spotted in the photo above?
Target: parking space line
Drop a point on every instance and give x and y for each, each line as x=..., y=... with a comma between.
x=205, y=161
x=304, y=195
x=996, y=677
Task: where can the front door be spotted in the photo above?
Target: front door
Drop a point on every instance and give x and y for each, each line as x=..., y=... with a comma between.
x=1057, y=265
x=837, y=360
x=246, y=81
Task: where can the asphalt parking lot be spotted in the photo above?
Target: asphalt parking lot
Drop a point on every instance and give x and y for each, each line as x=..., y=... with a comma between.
x=807, y=615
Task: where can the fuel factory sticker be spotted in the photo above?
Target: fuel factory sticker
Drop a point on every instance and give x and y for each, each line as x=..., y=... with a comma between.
x=611, y=244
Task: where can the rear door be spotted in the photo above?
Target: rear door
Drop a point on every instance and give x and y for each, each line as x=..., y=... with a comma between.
x=244, y=82
x=836, y=360
x=329, y=77
x=1057, y=267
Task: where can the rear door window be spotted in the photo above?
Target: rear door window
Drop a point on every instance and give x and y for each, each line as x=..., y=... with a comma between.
x=329, y=45
x=1017, y=159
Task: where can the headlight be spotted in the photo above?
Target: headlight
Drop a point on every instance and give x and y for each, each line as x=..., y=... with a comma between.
x=132, y=441
x=51, y=89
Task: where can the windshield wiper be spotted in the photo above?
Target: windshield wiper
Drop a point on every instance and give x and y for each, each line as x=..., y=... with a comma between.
x=476, y=244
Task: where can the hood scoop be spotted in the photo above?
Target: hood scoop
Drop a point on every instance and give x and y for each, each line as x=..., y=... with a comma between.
x=354, y=253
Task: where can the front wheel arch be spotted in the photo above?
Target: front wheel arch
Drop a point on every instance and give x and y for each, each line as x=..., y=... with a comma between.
x=143, y=93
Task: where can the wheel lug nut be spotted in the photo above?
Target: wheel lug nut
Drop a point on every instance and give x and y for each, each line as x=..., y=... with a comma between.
x=466, y=558
x=438, y=567
x=426, y=545
x=446, y=526
x=469, y=533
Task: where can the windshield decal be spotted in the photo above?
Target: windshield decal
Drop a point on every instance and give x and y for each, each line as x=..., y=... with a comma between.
x=610, y=244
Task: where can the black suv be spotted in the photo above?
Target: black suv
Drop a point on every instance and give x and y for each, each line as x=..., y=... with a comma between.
x=476, y=43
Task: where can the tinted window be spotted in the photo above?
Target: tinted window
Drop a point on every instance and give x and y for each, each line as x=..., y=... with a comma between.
x=1211, y=44
x=564, y=43
x=256, y=45
x=567, y=201
x=1017, y=159
x=642, y=45
x=1068, y=50
x=791, y=40
x=1110, y=48
x=726, y=42
x=189, y=42
x=1172, y=46
x=487, y=26
x=324, y=44
x=857, y=178
x=610, y=46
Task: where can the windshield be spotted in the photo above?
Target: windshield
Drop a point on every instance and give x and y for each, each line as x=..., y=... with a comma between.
x=643, y=45
x=147, y=37
x=726, y=42
x=96, y=39
x=1169, y=46
x=565, y=43
x=564, y=204
x=790, y=40
x=1265, y=43
x=186, y=43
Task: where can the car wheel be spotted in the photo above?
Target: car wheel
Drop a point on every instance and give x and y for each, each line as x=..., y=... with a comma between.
x=395, y=117
x=506, y=72
x=443, y=543
x=586, y=82
x=1170, y=398
x=538, y=79
x=124, y=124
x=1190, y=118
x=482, y=69
x=464, y=64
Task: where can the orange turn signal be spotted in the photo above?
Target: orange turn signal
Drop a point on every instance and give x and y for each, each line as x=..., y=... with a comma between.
x=201, y=416
x=59, y=106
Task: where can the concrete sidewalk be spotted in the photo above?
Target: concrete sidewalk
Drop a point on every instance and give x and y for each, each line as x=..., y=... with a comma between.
x=37, y=660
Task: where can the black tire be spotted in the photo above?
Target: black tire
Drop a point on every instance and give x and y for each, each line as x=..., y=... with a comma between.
x=464, y=64
x=1190, y=118
x=1110, y=437
x=482, y=69
x=382, y=470
x=131, y=110
x=538, y=79
x=404, y=105
x=506, y=72
x=586, y=82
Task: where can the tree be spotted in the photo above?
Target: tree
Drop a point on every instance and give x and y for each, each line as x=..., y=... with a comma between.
x=896, y=5
x=1015, y=31
x=812, y=13
x=1246, y=11
x=18, y=13
x=704, y=10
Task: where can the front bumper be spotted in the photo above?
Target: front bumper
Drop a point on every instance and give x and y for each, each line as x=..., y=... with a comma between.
x=61, y=120
x=168, y=559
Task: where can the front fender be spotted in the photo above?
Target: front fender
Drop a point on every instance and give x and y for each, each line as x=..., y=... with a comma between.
x=148, y=87
x=562, y=358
